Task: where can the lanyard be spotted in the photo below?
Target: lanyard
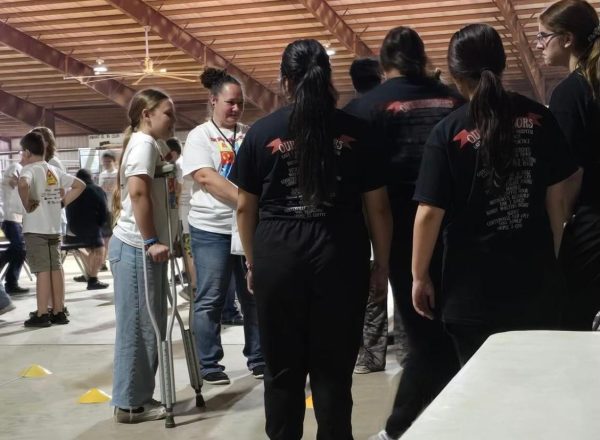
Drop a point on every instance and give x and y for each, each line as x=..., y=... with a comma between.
x=232, y=144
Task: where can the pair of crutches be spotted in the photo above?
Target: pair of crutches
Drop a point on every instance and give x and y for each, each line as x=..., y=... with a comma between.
x=165, y=345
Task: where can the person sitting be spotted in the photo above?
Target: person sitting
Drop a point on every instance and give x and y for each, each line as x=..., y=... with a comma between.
x=85, y=217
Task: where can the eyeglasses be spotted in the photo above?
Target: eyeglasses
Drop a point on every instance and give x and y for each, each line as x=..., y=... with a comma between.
x=544, y=38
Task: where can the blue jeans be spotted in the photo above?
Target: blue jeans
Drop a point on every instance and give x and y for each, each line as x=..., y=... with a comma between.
x=15, y=253
x=214, y=265
x=136, y=356
x=230, y=310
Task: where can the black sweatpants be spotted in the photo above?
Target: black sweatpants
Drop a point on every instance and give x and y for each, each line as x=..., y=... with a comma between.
x=580, y=260
x=311, y=284
x=431, y=361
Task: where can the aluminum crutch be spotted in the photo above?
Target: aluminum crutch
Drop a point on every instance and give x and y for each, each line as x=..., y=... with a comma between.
x=189, y=346
x=164, y=346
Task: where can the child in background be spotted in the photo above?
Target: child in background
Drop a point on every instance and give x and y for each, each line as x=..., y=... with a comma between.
x=40, y=187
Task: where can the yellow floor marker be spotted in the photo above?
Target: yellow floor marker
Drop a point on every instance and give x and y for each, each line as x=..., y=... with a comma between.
x=35, y=371
x=309, y=402
x=94, y=395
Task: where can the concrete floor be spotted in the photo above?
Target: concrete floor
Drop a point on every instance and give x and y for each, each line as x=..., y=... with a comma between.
x=80, y=357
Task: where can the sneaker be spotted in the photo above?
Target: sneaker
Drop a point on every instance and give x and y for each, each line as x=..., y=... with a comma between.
x=364, y=369
x=7, y=308
x=80, y=279
x=65, y=311
x=216, y=378
x=16, y=290
x=151, y=411
x=258, y=372
x=382, y=435
x=97, y=285
x=38, y=321
x=60, y=318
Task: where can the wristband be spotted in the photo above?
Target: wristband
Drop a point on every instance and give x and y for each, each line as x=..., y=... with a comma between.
x=149, y=242
x=249, y=266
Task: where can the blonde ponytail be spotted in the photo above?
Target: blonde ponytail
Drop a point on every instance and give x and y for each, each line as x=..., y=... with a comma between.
x=147, y=99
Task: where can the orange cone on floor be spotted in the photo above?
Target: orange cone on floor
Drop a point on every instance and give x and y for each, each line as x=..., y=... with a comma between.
x=309, y=402
x=34, y=371
x=95, y=395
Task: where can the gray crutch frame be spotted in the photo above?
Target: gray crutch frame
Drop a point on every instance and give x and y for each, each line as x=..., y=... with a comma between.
x=165, y=346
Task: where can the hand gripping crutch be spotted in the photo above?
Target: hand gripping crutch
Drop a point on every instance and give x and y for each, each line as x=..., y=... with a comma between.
x=187, y=336
x=164, y=346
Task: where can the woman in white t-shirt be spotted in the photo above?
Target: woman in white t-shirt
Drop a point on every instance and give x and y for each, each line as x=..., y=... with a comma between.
x=141, y=232
x=208, y=157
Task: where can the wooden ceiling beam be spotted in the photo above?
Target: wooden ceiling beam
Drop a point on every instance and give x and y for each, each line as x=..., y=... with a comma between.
x=112, y=89
x=530, y=66
x=256, y=92
x=335, y=24
x=34, y=115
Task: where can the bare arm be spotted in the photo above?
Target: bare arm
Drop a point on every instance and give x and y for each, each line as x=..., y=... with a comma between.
x=76, y=189
x=428, y=222
x=140, y=190
x=560, y=200
x=217, y=186
x=247, y=219
x=379, y=219
x=23, y=189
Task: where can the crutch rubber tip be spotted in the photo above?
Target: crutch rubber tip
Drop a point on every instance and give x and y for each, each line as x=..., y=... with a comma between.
x=200, y=401
x=169, y=422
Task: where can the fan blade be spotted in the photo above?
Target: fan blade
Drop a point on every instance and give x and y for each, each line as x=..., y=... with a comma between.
x=140, y=79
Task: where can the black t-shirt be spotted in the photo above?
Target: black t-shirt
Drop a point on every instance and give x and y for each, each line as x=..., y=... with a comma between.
x=88, y=212
x=403, y=111
x=266, y=166
x=498, y=244
x=578, y=115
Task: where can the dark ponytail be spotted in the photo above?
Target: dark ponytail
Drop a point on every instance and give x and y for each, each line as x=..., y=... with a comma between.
x=306, y=69
x=476, y=57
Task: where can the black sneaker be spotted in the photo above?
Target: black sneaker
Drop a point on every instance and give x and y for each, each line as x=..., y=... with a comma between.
x=97, y=285
x=38, y=321
x=16, y=290
x=80, y=279
x=60, y=318
x=216, y=378
x=65, y=310
x=258, y=372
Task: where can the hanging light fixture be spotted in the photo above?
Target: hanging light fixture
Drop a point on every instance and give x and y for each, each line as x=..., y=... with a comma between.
x=100, y=67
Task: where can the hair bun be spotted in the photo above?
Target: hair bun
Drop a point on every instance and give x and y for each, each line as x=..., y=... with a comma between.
x=212, y=76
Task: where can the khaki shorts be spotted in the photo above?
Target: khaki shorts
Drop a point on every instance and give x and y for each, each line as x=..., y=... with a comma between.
x=43, y=252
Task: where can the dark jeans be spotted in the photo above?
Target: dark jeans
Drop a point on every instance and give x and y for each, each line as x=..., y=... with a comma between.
x=214, y=266
x=431, y=361
x=311, y=284
x=14, y=254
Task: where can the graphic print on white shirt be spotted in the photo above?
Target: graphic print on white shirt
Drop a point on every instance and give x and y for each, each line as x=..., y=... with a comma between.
x=205, y=147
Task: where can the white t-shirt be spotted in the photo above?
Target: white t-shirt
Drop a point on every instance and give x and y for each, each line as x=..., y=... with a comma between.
x=45, y=182
x=205, y=147
x=142, y=157
x=107, y=180
x=13, y=208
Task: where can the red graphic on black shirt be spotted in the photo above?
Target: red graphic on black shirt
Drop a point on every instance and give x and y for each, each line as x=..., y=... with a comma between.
x=467, y=137
x=535, y=118
x=344, y=141
x=274, y=145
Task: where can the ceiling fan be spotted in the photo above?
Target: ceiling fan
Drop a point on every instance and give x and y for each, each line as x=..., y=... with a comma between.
x=148, y=69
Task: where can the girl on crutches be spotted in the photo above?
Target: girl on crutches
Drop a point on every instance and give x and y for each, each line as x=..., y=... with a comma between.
x=141, y=232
